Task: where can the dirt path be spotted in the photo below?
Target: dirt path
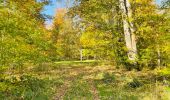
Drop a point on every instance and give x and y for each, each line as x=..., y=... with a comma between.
x=61, y=91
x=71, y=78
x=73, y=74
x=94, y=90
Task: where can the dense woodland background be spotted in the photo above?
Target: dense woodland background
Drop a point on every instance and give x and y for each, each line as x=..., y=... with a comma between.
x=94, y=49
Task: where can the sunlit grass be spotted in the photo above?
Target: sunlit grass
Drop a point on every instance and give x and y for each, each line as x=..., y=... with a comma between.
x=74, y=80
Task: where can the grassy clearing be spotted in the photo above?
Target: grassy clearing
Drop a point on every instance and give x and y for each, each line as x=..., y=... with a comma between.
x=82, y=81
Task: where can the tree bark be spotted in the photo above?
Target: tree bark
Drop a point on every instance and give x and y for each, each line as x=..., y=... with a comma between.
x=81, y=54
x=129, y=30
x=4, y=2
x=159, y=57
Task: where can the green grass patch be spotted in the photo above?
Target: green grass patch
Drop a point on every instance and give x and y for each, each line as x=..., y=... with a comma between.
x=45, y=81
x=79, y=90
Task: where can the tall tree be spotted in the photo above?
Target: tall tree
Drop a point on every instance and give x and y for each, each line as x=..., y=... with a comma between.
x=128, y=27
x=22, y=33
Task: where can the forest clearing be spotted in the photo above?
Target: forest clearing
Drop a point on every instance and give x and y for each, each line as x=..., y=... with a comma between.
x=88, y=80
x=84, y=49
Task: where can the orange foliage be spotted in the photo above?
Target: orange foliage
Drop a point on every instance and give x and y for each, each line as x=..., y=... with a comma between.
x=59, y=17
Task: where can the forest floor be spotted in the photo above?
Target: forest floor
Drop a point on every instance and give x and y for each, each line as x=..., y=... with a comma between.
x=90, y=80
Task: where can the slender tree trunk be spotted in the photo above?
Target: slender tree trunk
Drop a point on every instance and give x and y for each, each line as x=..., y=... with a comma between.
x=95, y=57
x=130, y=38
x=159, y=57
x=4, y=2
x=81, y=54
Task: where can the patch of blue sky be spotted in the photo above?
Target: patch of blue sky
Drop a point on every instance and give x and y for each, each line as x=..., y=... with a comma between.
x=55, y=4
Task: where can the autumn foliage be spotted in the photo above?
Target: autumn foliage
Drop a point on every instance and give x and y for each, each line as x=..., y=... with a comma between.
x=59, y=17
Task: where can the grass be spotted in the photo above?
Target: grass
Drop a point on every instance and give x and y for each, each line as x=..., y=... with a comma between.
x=73, y=62
x=86, y=80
